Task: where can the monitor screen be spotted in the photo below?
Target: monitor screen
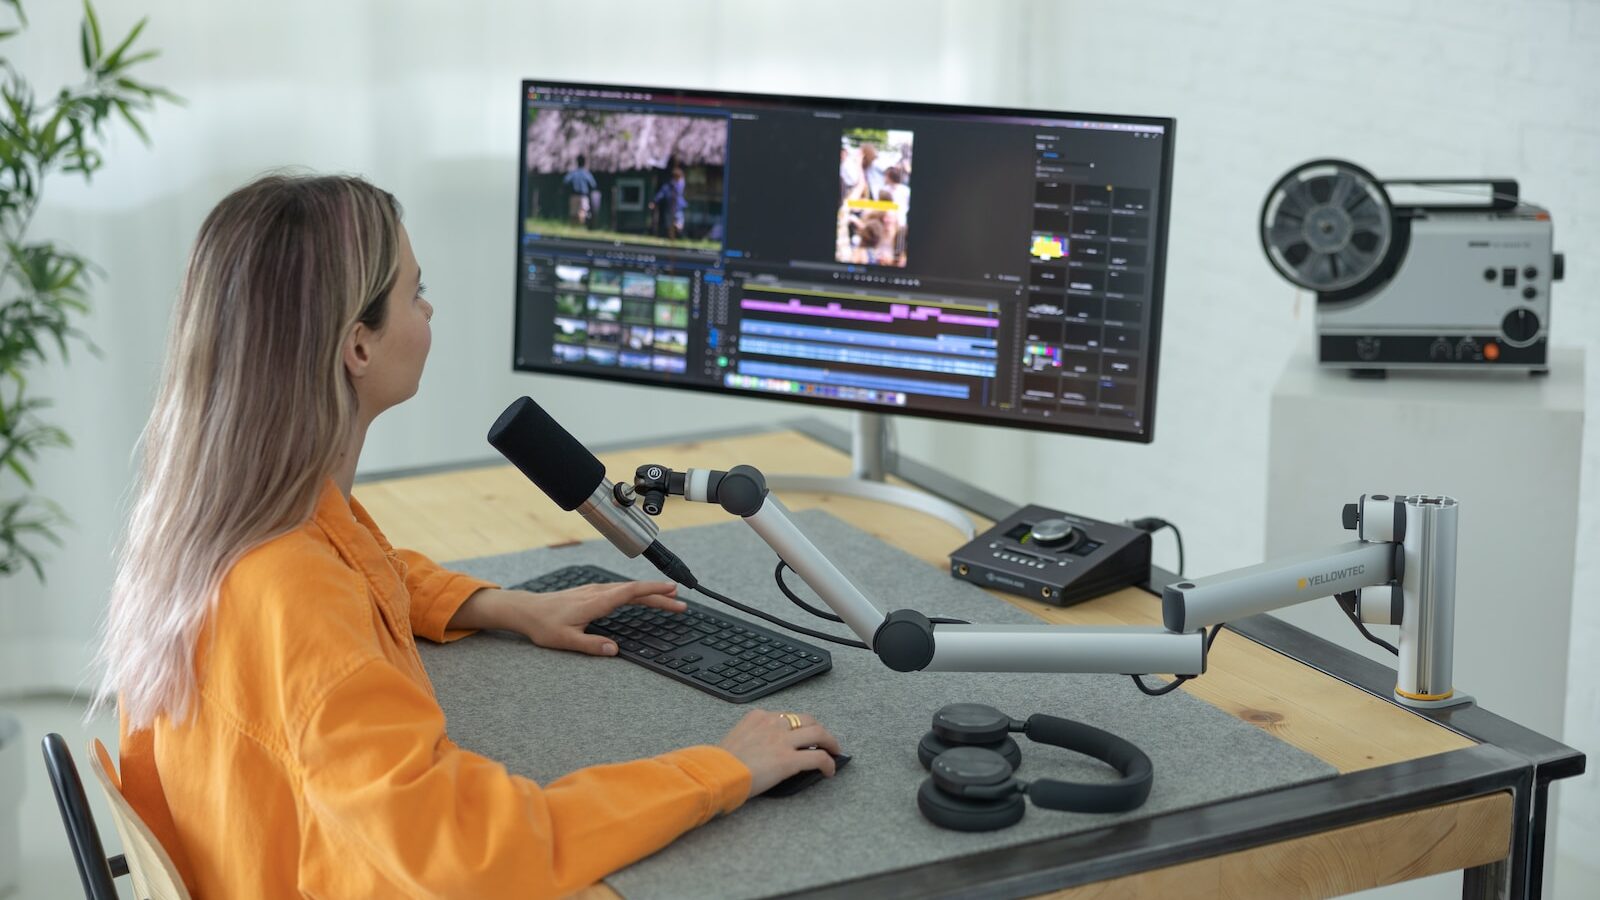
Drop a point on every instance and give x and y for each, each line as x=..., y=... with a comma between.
x=996, y=266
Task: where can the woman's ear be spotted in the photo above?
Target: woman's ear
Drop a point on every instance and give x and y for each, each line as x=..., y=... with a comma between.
x=357, y=351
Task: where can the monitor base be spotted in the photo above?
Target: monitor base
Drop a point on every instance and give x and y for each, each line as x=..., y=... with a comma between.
x=870, y=462
x=879, y=491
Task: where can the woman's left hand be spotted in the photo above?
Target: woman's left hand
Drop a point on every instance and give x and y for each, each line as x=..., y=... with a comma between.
x=556, y=620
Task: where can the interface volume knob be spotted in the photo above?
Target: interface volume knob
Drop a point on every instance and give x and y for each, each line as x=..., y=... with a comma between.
x=1055, y=533
x=1520, y=325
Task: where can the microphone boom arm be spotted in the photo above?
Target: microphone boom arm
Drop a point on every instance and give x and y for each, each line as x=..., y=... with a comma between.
x=905, y=640
x=1401, y=572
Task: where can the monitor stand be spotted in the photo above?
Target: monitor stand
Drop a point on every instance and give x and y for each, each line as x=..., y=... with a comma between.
x=870, y=463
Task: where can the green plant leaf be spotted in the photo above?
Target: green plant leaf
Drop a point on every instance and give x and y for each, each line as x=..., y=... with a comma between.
x=93, y=22
x=133, y=122
x=16, y=466
x=113, y=60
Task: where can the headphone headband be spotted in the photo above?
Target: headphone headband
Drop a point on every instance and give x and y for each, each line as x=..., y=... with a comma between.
x=973, y=787
x=1128, y=792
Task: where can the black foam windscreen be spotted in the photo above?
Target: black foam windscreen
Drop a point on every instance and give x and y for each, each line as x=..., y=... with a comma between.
x=545, y=452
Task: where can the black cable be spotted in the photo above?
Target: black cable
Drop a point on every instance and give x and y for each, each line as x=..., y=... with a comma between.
x=1152, y=524
x=1172, y=685
x=777, y=575
x=1347, y=603
x=821, y=636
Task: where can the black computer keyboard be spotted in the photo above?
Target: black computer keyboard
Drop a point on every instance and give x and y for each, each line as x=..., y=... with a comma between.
x=724, y=656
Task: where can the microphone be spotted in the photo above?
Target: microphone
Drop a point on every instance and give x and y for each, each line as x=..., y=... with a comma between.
x=570, y=475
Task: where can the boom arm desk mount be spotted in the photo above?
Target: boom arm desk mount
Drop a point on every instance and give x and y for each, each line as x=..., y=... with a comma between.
x=1401, y=571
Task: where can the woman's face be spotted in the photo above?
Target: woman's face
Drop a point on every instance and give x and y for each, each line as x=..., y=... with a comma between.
x=389, y=361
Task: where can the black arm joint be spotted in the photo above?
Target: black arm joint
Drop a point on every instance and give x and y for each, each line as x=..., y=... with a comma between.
x=904, y=641
x=742, y=491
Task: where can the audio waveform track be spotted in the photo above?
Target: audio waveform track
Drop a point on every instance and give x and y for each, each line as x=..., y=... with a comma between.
x=833, y=310
x=960, y=345
x=922, y=362
x=852, y=379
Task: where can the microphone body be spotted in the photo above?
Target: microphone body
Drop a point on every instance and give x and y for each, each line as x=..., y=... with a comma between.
x=571, y=476
x=627, y=528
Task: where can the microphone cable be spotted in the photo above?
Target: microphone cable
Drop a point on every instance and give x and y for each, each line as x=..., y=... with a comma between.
x=777, y=575
x=819, y=635
x=1173, y=685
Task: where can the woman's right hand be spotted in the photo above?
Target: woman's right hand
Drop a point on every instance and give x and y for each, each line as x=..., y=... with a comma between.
x=772, y=750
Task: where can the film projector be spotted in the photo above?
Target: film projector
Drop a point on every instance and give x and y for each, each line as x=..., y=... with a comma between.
x=1457, y=279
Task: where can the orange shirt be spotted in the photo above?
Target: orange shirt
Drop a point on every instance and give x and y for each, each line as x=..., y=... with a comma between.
x=315, y=761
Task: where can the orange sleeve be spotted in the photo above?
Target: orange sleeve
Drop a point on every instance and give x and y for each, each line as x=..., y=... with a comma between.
x=436, y=594
x=440, y=821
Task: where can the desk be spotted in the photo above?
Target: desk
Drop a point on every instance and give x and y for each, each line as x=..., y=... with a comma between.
x=1417, y=793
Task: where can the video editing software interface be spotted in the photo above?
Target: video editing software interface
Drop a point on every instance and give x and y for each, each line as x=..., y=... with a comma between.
x=986, y=265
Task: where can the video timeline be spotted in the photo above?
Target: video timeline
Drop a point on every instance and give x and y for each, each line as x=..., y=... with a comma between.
x=869, y=349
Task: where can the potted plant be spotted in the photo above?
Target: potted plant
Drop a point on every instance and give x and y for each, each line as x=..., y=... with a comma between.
x=43, y=292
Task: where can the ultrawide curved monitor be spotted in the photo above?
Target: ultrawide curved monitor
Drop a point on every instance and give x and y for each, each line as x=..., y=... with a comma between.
x=995, y=266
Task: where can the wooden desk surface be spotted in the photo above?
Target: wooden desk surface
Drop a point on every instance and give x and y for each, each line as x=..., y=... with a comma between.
x=483, y=511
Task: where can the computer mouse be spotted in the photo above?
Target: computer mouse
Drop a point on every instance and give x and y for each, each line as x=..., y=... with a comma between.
x=798, y=782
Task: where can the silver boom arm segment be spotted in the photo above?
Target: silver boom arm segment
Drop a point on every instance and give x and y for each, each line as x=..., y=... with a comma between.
x=1401, y=572
x=905, y=639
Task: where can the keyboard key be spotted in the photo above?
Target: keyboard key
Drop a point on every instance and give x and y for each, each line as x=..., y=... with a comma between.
x=691, y=667
x=647, y=653
x=692, y=657
x=656, y=644
x=707, y=677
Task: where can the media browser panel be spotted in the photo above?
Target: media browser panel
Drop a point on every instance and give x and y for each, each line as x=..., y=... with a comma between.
x=998, y=266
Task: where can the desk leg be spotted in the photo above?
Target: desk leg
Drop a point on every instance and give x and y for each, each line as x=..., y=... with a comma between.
x=1520, y=875
x=1541, y=812
x=1487, y=882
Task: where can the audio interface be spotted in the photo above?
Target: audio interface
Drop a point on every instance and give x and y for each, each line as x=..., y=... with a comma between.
x=1055, y=557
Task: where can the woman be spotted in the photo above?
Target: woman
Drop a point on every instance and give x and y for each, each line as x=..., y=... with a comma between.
x=279, y=733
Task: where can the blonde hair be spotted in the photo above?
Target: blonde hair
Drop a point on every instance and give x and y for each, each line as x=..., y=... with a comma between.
x=253, y=412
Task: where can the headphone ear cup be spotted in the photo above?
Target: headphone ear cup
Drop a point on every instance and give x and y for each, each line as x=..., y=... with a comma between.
x=931, y=745
x=963, y=814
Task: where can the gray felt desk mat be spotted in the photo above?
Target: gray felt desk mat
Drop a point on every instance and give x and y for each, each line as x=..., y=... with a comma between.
x=544, y=713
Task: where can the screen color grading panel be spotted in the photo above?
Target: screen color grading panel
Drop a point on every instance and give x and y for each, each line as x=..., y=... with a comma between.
x=986, y=265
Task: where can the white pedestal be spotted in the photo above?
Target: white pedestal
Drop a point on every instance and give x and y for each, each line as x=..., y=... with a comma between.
x=1508, y=448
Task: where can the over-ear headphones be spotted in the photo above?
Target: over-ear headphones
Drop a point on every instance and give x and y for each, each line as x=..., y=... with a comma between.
x=971, y=758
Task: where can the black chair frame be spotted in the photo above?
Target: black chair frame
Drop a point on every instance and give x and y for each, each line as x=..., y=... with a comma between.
x=94, y=867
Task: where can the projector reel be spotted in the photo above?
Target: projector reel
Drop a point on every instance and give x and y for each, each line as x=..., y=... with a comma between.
x=1327, y=225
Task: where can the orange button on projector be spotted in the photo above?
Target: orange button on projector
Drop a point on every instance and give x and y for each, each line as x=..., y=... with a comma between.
x=1491, y=352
